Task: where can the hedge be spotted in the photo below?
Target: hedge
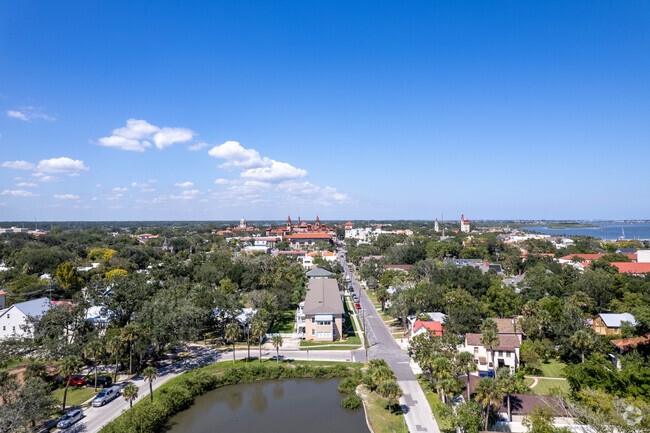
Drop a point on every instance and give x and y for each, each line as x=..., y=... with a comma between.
x=178, y=394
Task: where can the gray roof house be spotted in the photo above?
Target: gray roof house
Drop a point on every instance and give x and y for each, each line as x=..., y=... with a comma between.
x=319, y=273
x=323, y=310
x=14, y=320
x=615, y=320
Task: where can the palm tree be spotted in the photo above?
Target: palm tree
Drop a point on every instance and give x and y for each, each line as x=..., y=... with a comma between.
x=130, y=333
x=506, y=384
x=490, y=338
x=441, y=370
x=277, y=343
x=233, y=333
x=466, y=366
x=149, y=374
x=68, y=367
x=94, y=349
x=130, y=393
x=488, y=395
x=381, y=374
x=259, y=331
x=582, y=340
x=389, y=390
x=114, y=345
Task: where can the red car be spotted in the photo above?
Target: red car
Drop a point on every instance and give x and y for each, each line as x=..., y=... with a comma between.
x=358, y=306
x=76, y=381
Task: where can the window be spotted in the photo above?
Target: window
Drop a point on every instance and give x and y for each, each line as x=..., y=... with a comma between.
x=500, y=353
x=4, y=328
x=323, y=323
x=313, y=331
x=14, y=329
x=475, y=350
x=507, y=354
x=8, y=316
x=324, y=335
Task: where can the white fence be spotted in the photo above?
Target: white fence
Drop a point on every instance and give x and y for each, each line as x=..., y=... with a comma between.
x=295, y=335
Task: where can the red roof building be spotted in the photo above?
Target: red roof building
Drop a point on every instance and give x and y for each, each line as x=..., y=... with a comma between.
x=433, y=327
x=632, y=268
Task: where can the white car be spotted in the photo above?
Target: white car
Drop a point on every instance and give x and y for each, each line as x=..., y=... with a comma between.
x=70, y=418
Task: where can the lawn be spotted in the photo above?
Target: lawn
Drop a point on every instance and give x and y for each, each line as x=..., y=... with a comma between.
x=380, y=419
x=553, y=368
x=285, y=324
x=434, y=403
x=14, y=363
x=76, y=395
x=545, y=386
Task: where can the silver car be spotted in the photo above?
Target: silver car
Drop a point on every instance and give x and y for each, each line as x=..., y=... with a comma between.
x=106, y=395
x=70, y=418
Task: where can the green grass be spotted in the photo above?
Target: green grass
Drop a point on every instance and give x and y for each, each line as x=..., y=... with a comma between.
x=14, y=363
x=76, y=395
x=380, y=419
x=545, y=386
x=342, y=347
x=553, y=368
x=434, y=403
x=285, y=324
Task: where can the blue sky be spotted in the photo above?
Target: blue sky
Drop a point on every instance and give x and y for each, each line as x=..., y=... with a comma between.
x=219, y=110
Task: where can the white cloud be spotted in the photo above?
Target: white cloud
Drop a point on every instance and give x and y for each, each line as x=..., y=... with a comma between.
x=62, y=165
x=26, y=185
x=222, y=181
x=152, y=181
x=28, y=113
x=237, y=156
x=99, y=185
x=168, y=136
x=117, y=188
x=148, y=190
x=198, y=146
x=124, y=143
x=135, y=134
x=139, y=185
x=46, y=177
x=184, y=185
x=115, y=197
x=277, y=172
x=18, y=165
x=94, y=199
x=18, y=193
x=66, y=197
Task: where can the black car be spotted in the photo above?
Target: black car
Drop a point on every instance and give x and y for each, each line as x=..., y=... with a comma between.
x=102, y=381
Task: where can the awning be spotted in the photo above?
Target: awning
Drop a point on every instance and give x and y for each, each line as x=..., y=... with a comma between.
x=323, y=317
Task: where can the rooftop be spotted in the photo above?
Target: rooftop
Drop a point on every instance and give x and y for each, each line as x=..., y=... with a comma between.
x=323, y=297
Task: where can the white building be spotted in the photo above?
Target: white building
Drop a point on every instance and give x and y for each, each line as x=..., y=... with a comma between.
x=14, y=321
x=464, y=224
x=506, y=354
x=436, y=227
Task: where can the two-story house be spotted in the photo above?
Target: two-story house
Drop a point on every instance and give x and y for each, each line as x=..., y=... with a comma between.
x=610, y=323
x=506, y=353
x=14, y=321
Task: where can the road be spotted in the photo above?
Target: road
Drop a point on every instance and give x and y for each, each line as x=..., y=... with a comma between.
x=96, y=417
x=383, y=346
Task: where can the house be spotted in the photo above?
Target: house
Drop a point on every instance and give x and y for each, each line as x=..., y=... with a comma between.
x=402, y=268
x=632, y=268
x=508, y=326
x=624, y=345
x=522, y=405
x=464, y=224
x=610, y=323
x=426, y=317
x=323, y=310
x=506, y=354
x=433, y=327
x=15, y=320
x=319, y=273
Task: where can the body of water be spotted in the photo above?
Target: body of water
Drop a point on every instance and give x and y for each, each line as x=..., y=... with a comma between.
x=282, y=406
x=605, y=230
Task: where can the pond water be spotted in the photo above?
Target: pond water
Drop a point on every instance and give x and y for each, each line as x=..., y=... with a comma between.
x=282, y=406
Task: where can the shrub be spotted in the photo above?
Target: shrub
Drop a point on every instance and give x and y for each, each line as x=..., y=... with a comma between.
x=352, y=401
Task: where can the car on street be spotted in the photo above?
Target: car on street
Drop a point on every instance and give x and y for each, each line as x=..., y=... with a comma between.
x=70, y=418
x=76, y=381
x=358, y=306
x=105, y=396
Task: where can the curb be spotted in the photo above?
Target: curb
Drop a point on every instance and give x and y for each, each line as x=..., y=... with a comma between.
x=365, y=409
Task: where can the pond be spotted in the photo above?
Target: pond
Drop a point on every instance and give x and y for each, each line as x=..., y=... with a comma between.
x=282, y=406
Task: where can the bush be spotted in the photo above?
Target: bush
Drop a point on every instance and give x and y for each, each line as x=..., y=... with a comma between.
x=352, y=401
x=348, y=385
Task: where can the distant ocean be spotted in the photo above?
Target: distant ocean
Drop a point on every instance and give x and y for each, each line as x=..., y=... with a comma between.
x=605, y=230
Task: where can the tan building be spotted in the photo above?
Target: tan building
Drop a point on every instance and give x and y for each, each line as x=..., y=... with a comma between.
x=610, y=324
x=323, y=310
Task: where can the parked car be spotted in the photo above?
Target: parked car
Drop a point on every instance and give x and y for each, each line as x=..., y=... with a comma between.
x=105, y=396
x=102, y=381
x=358, y=306
x=70, y=418
x=76, y=381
